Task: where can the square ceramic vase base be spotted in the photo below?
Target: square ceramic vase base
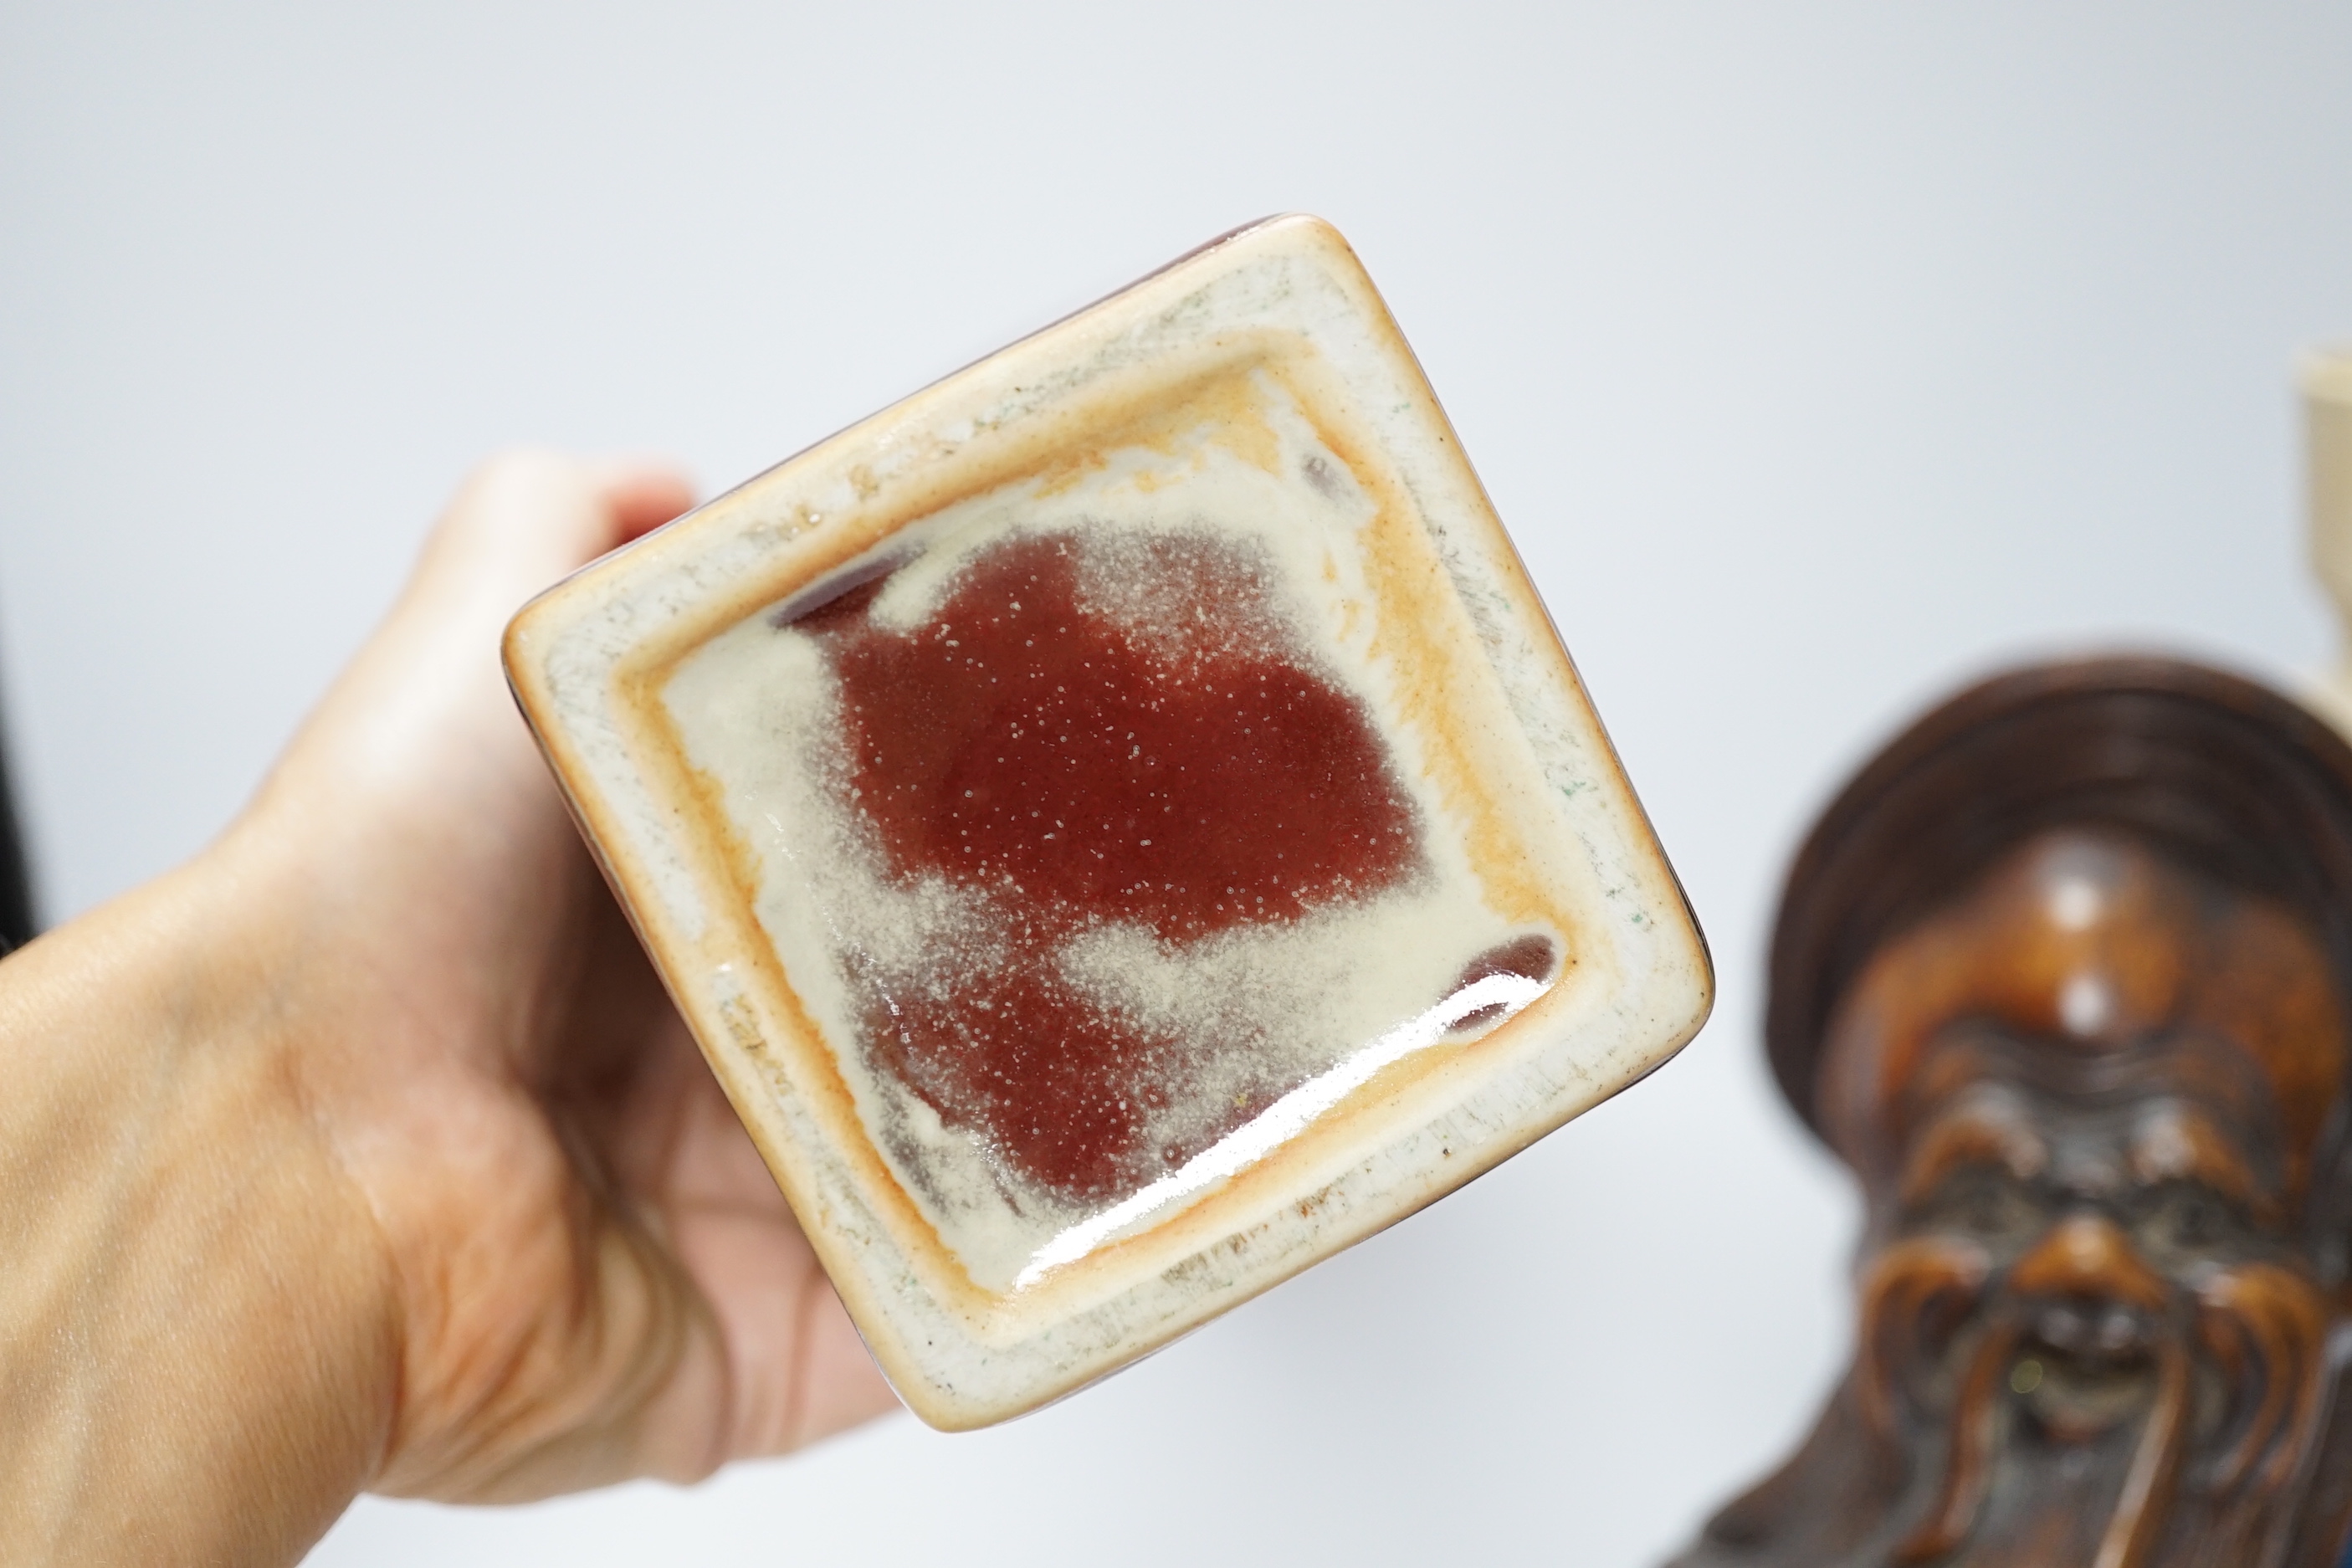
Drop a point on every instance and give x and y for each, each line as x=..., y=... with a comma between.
x=1119, y=823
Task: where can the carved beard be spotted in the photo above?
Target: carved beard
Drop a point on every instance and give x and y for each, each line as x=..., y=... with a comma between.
x=2158, y=1422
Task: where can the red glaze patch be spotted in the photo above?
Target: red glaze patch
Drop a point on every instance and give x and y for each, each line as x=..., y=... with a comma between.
x=1086, y=733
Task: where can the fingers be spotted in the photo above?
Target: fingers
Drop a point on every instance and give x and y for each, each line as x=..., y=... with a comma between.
x=790, y=1367
x=794, y=1369
x=839, y=1386
x=426, y=692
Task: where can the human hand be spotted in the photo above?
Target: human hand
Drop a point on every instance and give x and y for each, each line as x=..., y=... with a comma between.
x=366, y=1152
x=597, y=1276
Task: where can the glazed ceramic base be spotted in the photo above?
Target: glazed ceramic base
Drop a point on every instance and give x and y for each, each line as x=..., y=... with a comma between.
x=1119, y=823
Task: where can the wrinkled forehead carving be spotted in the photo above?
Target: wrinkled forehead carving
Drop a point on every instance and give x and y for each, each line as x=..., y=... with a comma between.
x=2090, y=968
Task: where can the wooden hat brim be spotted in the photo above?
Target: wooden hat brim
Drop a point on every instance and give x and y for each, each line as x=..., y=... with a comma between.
x=2219, y=771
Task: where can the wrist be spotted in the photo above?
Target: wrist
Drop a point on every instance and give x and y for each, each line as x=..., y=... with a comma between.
x=197, y=1315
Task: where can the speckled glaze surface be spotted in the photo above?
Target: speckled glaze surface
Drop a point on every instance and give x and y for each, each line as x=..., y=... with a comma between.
x=1119, y=823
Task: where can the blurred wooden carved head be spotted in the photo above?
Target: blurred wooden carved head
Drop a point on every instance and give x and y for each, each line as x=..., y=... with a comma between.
x=2064, y=977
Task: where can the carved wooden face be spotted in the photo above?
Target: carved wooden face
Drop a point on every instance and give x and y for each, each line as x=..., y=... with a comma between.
x=2083, y=1099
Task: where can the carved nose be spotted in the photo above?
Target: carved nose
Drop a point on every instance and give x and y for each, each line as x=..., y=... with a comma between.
x=2089, y=1254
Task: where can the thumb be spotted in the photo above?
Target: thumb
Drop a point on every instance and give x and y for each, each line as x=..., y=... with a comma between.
x=426, y=692
x=528, y=518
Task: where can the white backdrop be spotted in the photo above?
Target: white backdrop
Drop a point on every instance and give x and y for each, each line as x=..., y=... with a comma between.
x=1817, y=354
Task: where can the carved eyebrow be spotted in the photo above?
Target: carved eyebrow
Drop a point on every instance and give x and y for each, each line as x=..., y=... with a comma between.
x=1976, y=1134
x=2181, y=1143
